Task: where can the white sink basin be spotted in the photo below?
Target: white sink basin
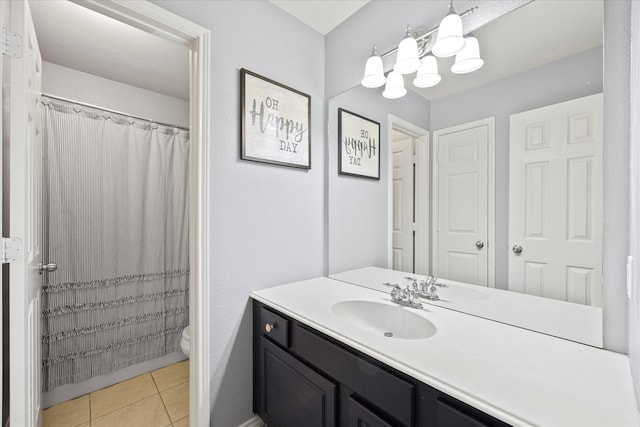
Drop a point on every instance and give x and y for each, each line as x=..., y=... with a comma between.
x=383, y=319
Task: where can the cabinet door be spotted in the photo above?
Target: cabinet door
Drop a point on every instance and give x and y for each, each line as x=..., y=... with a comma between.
x=361, y=416
x=292, y=394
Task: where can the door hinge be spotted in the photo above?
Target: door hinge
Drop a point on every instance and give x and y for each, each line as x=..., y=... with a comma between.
x=11, y=43
x=414, y=159
x=414, y=226
x=10, y=250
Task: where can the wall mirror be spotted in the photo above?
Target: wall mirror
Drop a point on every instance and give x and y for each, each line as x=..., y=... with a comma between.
x=474, y=186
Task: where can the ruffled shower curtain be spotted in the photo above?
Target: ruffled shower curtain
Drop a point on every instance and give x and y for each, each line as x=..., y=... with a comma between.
x=117, y=226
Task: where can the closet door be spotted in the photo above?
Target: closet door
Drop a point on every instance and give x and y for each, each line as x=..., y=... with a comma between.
x=555, y=201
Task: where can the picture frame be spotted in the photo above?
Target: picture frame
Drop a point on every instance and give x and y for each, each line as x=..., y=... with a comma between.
x=358, y=145
x=275, y=122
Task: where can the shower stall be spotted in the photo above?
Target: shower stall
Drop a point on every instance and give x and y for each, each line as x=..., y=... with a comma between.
x=116, y=226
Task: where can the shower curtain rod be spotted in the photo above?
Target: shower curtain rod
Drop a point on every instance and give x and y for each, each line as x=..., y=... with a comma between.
x=71, y=101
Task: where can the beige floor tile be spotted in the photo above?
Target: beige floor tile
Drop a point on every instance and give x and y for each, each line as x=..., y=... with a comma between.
x=119, y=395
x=182, y=423
x=70, y=413
x=171, y=375
x=176, y=400
x=85, y=425
x=149, y=412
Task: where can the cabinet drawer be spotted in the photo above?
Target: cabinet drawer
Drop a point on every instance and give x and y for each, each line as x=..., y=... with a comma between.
x=274, y=326
x=361, y=416
x=448, y=415
x=391, y=394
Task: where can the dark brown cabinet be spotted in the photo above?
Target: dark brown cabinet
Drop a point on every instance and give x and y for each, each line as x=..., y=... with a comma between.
x=303, y=378
x=292, y=394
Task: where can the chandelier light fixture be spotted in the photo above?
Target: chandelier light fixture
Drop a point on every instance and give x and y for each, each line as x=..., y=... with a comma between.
x=395, y=86
x=373, y=71
x=407, y=59
x=427, y=75
x=417, y=53
x=468, y=59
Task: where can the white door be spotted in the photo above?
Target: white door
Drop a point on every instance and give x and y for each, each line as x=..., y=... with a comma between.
x=25, y=219
x=403, y=202
x=463, y=202
x=555, y=201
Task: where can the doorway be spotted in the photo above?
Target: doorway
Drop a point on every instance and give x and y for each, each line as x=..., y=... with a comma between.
x=154, y=19
x=409, y=207
x=556, y=201
x=464, y=203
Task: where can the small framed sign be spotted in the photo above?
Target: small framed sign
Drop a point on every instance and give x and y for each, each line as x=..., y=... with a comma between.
x=358, y=145
x=275, y=122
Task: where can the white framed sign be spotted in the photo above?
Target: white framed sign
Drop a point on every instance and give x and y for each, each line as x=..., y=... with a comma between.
x=275, y=121
x=358, y=145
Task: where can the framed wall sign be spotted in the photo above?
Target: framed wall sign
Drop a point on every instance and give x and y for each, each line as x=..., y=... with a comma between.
x=275, y=122
x=358, y=145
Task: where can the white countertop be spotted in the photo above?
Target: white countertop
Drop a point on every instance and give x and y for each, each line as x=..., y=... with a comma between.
x=521, y=377
x=576, y=322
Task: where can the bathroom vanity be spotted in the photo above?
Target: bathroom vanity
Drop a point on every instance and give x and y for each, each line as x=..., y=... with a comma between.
x=330, y=353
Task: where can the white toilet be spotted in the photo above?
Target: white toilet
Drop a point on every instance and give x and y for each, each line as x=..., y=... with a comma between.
x=185, y=342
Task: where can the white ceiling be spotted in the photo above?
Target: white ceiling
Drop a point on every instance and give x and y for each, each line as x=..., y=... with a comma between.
x=76, y=37
x=321, y=15
x=79, y=38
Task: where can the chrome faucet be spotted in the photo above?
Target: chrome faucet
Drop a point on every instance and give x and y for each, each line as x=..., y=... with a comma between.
x=426, y=288
x=407, y=297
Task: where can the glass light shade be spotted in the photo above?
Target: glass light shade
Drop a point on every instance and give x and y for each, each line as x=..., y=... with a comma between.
x=450, y=40
x=427, y=73
x=407, y=60
x=395, y=86
x=468, y=59
x=373, y=72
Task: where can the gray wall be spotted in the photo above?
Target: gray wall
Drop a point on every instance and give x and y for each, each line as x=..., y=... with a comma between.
x=358, y=207
x=267, y=222
x=574, y=77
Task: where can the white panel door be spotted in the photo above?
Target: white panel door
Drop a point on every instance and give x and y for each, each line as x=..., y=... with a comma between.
x=462, y=200
x=403, y=206
x=555, y=201
x=25, y=201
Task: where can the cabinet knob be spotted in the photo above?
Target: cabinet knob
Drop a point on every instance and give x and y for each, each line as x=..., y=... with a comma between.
x=269, y=327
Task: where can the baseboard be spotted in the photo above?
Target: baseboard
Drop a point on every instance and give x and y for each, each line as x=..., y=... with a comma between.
x=253, y=422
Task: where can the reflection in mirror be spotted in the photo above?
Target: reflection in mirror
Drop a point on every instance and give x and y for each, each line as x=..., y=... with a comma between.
x=492, y=178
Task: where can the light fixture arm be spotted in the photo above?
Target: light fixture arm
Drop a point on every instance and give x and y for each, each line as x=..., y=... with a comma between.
x=431, y=31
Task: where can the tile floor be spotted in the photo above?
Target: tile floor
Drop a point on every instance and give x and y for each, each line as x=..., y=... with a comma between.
x=156, y=399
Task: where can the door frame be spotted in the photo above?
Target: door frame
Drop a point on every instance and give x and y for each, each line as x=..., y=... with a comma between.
x=490, y=122
x=421, y=191
x=152, y=18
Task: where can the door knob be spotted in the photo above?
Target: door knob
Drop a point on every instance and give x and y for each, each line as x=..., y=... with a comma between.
x=479, y=244
x=517, y=249
x=51, y=267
